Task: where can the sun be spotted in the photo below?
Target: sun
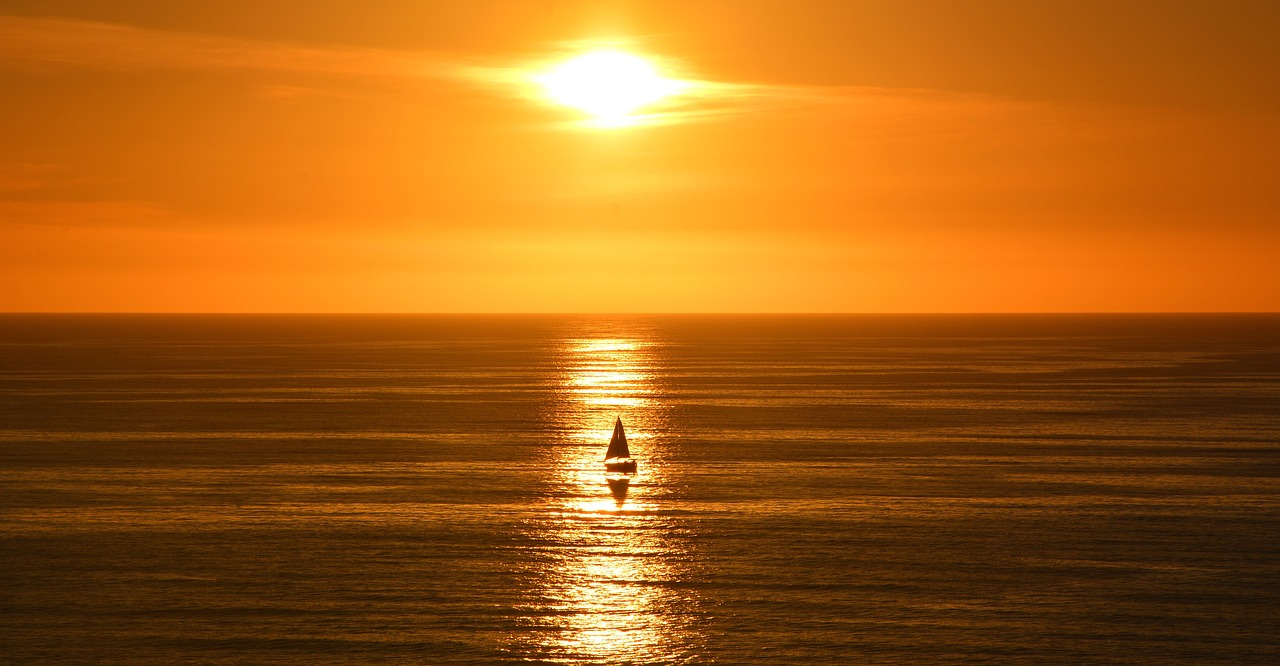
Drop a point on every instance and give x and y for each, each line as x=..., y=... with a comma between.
x=608, y=85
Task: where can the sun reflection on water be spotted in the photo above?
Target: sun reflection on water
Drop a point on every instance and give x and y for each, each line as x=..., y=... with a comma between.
x=606, y=590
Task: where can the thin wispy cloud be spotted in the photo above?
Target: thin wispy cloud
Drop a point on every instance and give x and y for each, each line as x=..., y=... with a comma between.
x=109, y=214
x=109, y=46
x=23, y=177
x=62, y=42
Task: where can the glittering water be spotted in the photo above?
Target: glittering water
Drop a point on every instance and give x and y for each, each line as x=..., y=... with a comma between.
x=888, y=489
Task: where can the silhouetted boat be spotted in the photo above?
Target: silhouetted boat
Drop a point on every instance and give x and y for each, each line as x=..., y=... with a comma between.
x=618, y=457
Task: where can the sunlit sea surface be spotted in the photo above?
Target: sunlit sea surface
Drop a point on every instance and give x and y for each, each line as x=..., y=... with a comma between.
x=844, y=489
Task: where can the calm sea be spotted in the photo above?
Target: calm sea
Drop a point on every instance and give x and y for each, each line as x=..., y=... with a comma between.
x=812, y=489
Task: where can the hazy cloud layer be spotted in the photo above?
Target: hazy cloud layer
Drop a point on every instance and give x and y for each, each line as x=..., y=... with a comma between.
x=26, y=41
x=121, y=47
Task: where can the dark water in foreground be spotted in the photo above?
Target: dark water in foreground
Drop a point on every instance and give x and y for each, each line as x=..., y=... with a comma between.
x=1045, y=489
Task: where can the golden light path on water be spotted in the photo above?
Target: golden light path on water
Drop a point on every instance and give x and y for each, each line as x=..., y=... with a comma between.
x=606, y=594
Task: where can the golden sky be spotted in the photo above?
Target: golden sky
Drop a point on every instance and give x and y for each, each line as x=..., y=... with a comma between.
x=818, y=156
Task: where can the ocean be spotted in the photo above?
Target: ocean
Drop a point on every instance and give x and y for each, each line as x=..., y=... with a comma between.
x=878, y=489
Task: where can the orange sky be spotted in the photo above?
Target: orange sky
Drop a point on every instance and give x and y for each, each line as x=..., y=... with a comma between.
x=836, y=156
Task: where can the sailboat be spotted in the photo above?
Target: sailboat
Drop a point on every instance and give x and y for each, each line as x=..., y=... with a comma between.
x=618, y=457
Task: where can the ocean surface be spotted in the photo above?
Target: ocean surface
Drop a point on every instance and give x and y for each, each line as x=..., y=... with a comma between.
x=811, y=489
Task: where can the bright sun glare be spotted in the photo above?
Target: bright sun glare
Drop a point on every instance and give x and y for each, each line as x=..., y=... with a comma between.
x=609, y=85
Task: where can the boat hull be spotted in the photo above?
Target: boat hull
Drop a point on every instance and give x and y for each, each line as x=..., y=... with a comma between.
x=620, y=465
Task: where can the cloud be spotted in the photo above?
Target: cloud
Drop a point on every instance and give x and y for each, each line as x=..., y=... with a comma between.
x=74, y=43
x=63, y=42
x=110, y=213
x=37, y=44
x=107, y=46
x=23, y=177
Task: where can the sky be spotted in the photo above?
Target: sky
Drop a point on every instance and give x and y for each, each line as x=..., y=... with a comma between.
x=822, y=156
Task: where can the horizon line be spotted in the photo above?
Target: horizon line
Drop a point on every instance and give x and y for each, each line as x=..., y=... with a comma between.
x=646, y=314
